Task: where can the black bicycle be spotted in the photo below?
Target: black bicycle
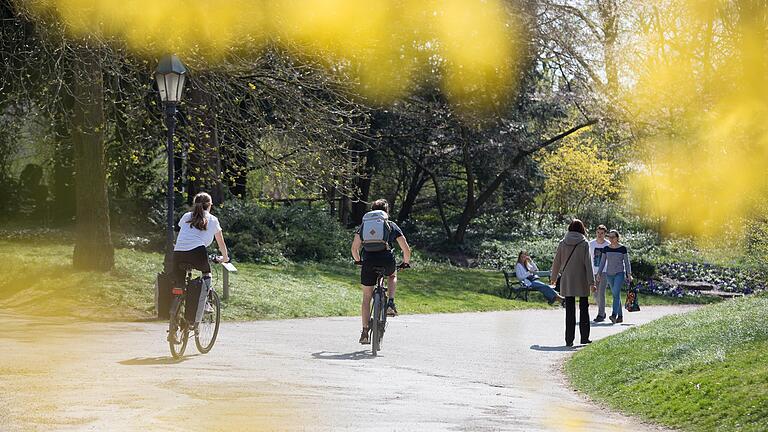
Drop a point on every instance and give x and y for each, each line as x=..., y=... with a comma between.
x=183, y=318
x=377, y=324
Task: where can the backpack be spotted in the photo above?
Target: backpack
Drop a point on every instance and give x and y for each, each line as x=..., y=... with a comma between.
x=375, y=230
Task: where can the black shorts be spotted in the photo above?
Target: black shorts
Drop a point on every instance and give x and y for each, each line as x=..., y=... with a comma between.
x=370, y=261
x=197, y=258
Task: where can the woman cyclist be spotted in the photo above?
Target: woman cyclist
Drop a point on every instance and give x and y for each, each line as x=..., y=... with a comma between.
x=198, y=229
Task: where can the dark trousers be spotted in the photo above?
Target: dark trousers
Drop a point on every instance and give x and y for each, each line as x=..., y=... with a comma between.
x=570, y=319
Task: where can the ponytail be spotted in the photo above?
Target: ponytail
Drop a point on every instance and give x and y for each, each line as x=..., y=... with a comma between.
x=200, y=205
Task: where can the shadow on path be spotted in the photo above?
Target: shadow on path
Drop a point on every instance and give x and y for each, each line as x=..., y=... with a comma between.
x=552, y=348
x=357, y=355
x=148, y=320
x=149, y=361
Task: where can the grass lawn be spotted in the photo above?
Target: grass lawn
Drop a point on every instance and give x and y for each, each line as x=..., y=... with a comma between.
x=43, y=282
x=705, y=370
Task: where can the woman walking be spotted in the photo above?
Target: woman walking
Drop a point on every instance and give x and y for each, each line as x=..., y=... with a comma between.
x=526, y=269
x=574, y=267
x=614, y=265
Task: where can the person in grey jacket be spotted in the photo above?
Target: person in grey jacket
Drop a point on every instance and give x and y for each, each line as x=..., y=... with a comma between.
x=572, y=262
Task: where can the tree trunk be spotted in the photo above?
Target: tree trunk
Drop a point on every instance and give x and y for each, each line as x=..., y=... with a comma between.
x=331, y=197
x=344, y=210
x=63, y=210
x=93, y=242
x=608, y=10
x=470, y=206
x=360, y=207
x=439, y=203
x=414, y=188
x=461, y=228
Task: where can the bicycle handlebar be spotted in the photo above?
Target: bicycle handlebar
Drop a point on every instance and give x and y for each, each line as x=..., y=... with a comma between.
x=401, y=266
x=215, y=258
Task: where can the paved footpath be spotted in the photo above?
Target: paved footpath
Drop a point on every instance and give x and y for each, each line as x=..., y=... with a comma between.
x=448, y=372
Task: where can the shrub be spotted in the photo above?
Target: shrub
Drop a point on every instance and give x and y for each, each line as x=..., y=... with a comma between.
x=272, y=235
x=576, y=176
x=500, y=254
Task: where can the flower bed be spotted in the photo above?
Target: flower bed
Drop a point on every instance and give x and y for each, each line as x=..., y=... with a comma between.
x=722, y=278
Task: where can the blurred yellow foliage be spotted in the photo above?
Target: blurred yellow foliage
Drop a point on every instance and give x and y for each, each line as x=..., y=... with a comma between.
x=699, y=99
x=387, y=44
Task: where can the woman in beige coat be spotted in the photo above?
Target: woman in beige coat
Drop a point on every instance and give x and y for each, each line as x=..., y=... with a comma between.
x=574, y=266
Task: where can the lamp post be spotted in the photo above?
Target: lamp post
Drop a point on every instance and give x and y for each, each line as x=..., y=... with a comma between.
x=170, y=76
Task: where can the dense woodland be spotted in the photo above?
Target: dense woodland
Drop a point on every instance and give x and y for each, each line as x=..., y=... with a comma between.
x=271, y=135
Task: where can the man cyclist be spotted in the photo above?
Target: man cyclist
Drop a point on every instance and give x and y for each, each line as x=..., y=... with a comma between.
x=375, y=237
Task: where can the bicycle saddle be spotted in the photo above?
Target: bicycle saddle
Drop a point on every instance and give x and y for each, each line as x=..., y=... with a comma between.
x=379, y=270
x=185, y=266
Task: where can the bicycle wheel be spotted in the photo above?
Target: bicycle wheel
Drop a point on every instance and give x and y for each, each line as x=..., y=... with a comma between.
x=182, y=333
x=209, y=326
x=375, y=328
x=382, y=320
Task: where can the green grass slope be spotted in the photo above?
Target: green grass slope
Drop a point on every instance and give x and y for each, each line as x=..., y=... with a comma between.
x=705, y=370
x=43, y=282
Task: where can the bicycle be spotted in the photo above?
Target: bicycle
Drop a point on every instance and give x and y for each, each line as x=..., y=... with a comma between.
x=377, y=323
x=182, y=322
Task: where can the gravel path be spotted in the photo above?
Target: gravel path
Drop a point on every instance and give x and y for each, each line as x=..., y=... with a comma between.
x=462, y=372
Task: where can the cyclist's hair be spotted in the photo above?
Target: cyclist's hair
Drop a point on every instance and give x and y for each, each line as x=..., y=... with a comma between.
x=380, y=204
x=200, y=205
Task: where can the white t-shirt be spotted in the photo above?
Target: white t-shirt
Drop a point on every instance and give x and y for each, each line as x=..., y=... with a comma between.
x=592, y=246
x=191, y=237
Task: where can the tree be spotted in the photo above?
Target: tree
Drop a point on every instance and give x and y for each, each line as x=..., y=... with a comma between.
x=231, y=110
x=38, y=81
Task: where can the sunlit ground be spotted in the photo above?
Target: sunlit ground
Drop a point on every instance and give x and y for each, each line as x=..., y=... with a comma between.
x=63, y=374
x=435, y=372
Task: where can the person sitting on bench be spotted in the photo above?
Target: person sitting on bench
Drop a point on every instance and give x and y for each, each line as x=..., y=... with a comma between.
x=526, y=269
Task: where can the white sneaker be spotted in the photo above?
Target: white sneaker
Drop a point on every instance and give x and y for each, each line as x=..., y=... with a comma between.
x=208, y=308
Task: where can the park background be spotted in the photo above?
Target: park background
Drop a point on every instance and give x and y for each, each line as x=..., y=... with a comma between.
x=487, y=126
